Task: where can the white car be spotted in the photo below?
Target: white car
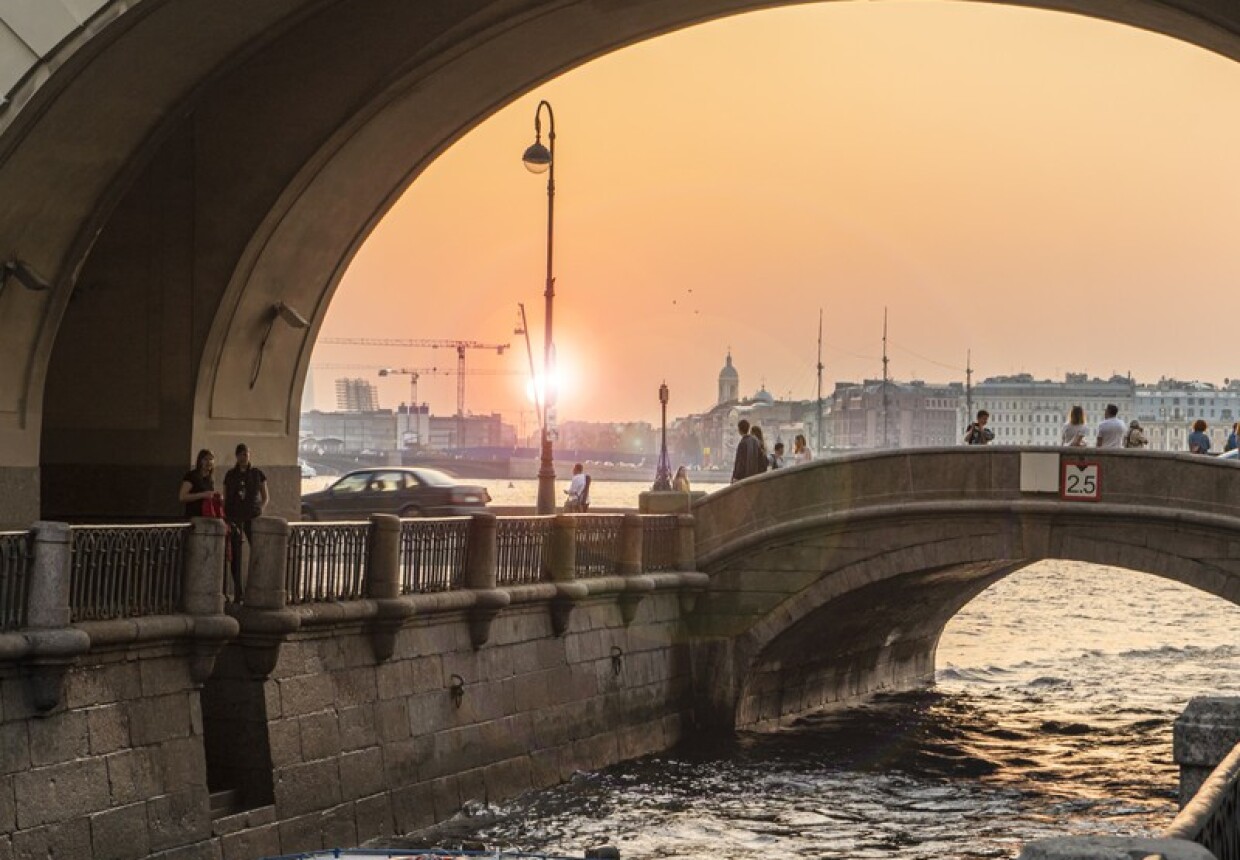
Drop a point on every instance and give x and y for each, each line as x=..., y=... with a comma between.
x=307, y=471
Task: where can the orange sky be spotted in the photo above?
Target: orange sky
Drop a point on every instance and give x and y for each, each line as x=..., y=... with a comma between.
x=1054, y=192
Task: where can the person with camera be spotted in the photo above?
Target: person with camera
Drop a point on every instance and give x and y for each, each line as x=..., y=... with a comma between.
x=245, y=496
x=978, y=433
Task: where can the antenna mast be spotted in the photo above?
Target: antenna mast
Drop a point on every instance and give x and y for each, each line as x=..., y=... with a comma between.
x=886, y=438
x=819, y=421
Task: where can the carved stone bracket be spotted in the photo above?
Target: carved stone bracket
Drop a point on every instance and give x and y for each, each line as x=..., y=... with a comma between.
x=567, y=596
x=211, y=633
x=488, y=604
x=635, y=590
x=50, y=654
x=263, y=631
x=390, y=618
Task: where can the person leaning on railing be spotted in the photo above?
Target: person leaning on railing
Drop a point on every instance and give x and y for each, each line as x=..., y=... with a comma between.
x=198, y=492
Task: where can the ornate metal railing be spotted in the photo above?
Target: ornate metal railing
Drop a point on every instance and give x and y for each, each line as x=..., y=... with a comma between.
x=326, y=562
x=660, y=534
x=1212, y=817
x=520, y=544
x=16, y=559
x=126, y=571
x=432, y=554
x=598, y=544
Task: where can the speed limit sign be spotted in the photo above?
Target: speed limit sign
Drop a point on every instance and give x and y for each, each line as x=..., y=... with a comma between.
x=1081, y=482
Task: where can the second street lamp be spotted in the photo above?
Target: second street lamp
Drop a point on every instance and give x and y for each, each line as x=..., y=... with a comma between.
x=663, y=476
x=537, y=159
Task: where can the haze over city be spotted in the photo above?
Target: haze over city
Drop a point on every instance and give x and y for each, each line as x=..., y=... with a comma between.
x=716, y=186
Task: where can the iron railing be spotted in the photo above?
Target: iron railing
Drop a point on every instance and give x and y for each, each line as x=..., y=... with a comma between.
x=16, y=560
x=326, y=562
x=1212, y=817
x=126, y=571
x=520, y=545
x=432, y=554
x=660, y=535
x=598, y=544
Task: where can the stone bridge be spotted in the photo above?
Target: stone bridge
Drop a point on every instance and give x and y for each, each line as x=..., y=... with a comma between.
x=172, y=170
x=835, y=579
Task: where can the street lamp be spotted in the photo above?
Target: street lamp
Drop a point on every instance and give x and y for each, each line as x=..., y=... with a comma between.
x=663, y=476
x=537, y=159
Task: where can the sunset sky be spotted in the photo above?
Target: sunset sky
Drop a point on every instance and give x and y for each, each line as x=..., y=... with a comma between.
x=1053, y=192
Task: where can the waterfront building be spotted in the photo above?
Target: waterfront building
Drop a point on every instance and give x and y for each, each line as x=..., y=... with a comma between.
x=916, y=414
x=1028, y=411
x=350, y=432
x=1168, y=408
x=356, y=395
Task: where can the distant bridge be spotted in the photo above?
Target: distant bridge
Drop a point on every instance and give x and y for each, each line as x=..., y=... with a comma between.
x=835, y=579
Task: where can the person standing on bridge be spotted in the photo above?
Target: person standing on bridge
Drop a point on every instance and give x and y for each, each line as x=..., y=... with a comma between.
x=1075, y=431
x=1198, y=441
x=245, y=496
x=978, y=433
x=1111, y=429
x=800, y=451
x=750, y=458
x=1135, y=437
x=198, y=486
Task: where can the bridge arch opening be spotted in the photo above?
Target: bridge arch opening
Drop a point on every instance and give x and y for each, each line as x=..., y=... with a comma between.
x=241, y=164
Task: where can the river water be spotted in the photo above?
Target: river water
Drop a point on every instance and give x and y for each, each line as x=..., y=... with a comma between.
x=1056, y=691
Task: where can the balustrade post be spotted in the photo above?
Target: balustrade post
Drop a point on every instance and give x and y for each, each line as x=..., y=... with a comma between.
x=54, y=645
x=383, y=584
x=686, y=543
x=632, y=534
x=47, y=601
x=561, y=558
x=203, y=576
x=480, y=577
x=265, y=588
x=480, y=553
x=383, y=558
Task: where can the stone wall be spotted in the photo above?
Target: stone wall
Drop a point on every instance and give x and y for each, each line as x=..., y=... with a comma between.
x=116, y=770
x=360, y=748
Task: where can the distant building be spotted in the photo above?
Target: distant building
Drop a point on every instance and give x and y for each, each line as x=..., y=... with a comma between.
x=874, y=414
x=350, y=432
x=1168, y=408
x=356, y=395
x=729, y=383
x=1028, y=411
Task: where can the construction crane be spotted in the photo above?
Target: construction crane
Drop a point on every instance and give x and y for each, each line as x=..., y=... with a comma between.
x=414, y=372
x=459, y=345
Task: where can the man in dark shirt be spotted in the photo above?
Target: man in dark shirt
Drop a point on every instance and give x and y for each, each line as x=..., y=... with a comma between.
x=749, y=457
x=245, y=496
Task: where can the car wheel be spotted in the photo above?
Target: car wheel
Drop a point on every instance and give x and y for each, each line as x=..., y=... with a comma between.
x=308, y=515
x=410, y=511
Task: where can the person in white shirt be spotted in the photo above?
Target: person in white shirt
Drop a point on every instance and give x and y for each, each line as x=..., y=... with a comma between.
x=1111, y=429
x=578, y=491
x=1075, y=431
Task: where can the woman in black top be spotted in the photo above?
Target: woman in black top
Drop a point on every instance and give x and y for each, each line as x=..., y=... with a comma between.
x=198, y=485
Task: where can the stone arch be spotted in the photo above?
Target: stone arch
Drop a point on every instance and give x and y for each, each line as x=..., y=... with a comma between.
x=169, y=202
x=839, y=602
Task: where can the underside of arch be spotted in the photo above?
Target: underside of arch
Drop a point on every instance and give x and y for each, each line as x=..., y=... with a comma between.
x=242, y=159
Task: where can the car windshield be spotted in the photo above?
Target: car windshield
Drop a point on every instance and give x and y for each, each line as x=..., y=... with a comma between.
x=353, y=483
x=434, y=478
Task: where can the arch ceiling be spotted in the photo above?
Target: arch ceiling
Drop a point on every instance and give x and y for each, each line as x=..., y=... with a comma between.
x=172, y=168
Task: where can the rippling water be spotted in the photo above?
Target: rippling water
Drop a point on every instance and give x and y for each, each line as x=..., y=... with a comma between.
x=1052, y=715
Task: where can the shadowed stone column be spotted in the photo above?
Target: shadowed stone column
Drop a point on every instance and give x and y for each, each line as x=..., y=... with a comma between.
x=383, y=584
x=54, y=645
x=480, y=577
x=265, y=587
x=560, y=566
x=686, y=544
x=204, y=566
x=630, y=561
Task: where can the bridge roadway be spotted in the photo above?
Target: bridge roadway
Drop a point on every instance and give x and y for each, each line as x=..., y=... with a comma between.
x=140, y=717
x=172, y=170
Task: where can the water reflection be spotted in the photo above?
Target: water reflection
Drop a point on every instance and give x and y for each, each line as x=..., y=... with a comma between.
x=1056, y=692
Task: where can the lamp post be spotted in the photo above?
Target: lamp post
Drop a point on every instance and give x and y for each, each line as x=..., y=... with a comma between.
x=537, y=159
x=663, y=476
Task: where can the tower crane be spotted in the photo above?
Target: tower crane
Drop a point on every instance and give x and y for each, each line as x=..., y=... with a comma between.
x=459, y=345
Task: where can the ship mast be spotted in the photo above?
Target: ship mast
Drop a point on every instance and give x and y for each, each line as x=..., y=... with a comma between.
x=819, y=421
x=886, y=438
